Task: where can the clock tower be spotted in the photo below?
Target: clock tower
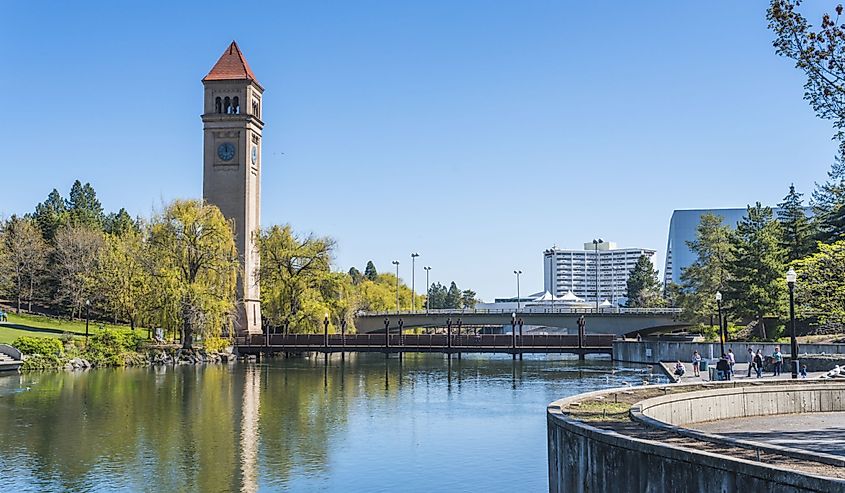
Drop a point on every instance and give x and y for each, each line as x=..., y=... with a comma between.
x=232, y=168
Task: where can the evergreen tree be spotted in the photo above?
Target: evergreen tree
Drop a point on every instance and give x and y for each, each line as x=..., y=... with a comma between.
x=755, y=288
x=355, y=275
x=468, y=299
x=453, y=296
x=796, y=240
x=437, y=296
x=819, y=290
x=84, y=209
x=370, y=271
x=709, y=272
x=119, y=223
x=643, y=285
x=51, y=215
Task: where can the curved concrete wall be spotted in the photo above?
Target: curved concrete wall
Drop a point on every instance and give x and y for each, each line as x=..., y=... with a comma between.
x=584, y=458
x=744, y=402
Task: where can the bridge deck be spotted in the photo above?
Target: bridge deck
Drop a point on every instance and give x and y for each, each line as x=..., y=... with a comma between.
x=434, y=343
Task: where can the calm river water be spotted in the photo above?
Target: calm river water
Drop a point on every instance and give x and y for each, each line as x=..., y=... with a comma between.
x=367, y=424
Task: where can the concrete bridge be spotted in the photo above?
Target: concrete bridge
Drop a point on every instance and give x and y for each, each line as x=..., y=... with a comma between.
x=616, y=321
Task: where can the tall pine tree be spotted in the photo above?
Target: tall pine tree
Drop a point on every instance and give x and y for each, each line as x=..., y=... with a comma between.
x=370, y=271
x=709, y=272
x=797, y=239
x=755, y=289
x=84, y=209
x=643, y=285
x=51, y=215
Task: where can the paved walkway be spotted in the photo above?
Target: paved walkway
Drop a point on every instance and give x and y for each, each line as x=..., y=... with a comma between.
x=740, y=373
x=816, y=432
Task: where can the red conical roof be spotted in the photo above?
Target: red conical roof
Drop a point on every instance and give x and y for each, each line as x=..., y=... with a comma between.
x=231, y=66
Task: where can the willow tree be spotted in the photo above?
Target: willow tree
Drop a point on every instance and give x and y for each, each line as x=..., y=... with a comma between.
x=122, y=275
x=296, y=278
x=192, y=251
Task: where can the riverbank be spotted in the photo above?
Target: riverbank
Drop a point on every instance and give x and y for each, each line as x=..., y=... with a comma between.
x=632, y=440
x=110, y=348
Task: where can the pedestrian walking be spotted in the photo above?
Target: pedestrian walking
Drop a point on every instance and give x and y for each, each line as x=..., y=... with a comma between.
x=777, y=358
x=758, y=363
x=731, y=360
x=750, y=360
x=696, y=364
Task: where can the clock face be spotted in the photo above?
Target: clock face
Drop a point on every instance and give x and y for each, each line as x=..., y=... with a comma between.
x=254, y=154
x=226, y=151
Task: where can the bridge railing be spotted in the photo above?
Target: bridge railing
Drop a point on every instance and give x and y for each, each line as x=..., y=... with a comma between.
x=427, y=340
x=528, y=310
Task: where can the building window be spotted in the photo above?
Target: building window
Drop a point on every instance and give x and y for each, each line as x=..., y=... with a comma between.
x=227, y=105
x=218, y=105
x=236, y=107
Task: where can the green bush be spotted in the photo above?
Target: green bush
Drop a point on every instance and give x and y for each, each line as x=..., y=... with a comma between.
x=215, y=344
x=45, y=346
x=42, y=362
x=109, y=347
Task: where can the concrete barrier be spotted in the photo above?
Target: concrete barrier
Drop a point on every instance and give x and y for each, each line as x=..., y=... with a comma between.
x=656, y=351
x=584, y=458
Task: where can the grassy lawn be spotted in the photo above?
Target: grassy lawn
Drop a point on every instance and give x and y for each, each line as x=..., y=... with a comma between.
x=38, y=326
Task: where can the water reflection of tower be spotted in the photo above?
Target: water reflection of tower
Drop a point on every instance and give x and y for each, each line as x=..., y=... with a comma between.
x=249, y=429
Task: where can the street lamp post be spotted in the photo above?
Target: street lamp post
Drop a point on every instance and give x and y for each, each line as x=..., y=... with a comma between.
x=413, y=271
x=719, y=307
x=518, y=273
x=427, y=289
x=791, y=277
x=596, y=249
x=87, y=318
x=513, y=332
x=326, y=331
x=396, y=263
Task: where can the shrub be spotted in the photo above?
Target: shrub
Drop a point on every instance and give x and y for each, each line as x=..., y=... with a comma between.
x=42, y=362
x=109, y=347
x=215, y=344
x=45, y=346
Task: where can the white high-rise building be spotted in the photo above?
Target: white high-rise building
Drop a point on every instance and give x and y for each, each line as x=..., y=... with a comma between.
x=575, y=270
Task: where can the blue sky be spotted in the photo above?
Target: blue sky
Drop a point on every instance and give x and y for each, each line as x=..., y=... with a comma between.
x=477, y=133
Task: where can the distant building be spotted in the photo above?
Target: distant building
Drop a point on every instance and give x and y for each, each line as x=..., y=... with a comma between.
x=575, y=271
x=682, y=228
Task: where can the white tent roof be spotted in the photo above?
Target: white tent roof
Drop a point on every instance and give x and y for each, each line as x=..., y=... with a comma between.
x=569, y=296
x=605, y=303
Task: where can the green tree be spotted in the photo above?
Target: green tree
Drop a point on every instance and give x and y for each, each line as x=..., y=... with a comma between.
x=123, y=277
x=192, y=250
x=819, y=290
x=84, y=209
x=120, y=223
x=370, y=271
x=355, y=276
x=797, y=239
x=51, y=215
x=820, y=53
x=643, y=285
x=756, y=287
x=709, y=272
x=437, y=296
x=453, y=296
x=23, y=255
x=293, y=269
x=468, y=299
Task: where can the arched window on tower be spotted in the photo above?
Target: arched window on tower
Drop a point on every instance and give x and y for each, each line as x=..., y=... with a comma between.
x=236, y=107
x=255, y=108
x=227, y=105
x=218, y=105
